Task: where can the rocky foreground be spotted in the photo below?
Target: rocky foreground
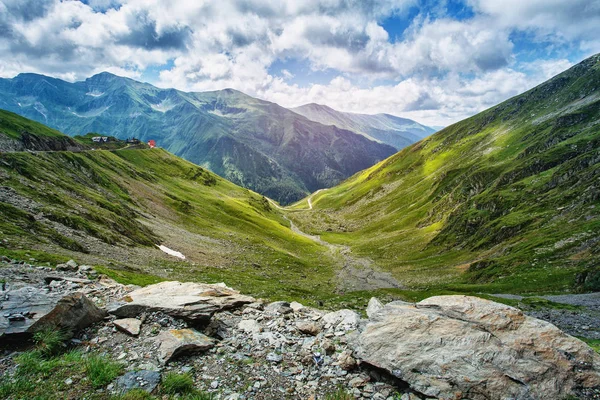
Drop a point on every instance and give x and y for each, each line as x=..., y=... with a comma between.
x=237, y=347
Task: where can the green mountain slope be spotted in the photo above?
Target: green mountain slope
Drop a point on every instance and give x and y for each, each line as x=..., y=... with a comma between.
x=384, y=128
x=253, y=143
x=112, y=209
x=507, y=200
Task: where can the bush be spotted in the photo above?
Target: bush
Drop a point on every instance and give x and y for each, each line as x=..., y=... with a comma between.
x=50, y=341
x=101, y=371
x=174, y=383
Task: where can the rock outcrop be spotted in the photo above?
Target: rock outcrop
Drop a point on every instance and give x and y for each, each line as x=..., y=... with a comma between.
x=194, y=302
x=28, y=309
x=461, y=347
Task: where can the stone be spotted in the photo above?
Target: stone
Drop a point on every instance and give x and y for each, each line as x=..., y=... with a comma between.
x=70, y=265
x=194, y=302
x=328, y=346
x=144, y=379
x=250, y=326
x=346, y=361
x=310, y=328
x=274, y=357
x=50, y=279
x=28, y=310
x=410, y=396
x=373, y=307
x=342, y=320
x=175, y=342
x=450, y=346
x=84, y=269
x=278, y=307
x=295, y=306
x=130, y=326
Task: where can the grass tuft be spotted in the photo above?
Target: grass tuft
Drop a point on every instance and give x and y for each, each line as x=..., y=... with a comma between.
x=101, y=370
x=174, y=383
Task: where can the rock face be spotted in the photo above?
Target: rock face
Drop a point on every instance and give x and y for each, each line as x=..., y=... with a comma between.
x=177, y=341
x=28, y=309
x=195, y=302
x=455, y=347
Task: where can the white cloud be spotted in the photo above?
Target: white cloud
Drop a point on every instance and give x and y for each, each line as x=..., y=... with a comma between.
x=439, y=71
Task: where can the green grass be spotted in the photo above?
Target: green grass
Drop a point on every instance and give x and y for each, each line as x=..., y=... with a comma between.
x=593, y=343
x=14, y=125
x=494, y=203
x=50, y=342
x=101, y=371
x=340, y=394
x=87, y=371
x=174, y=383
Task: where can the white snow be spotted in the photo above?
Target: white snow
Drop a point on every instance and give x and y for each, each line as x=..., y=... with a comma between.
x=171, y=252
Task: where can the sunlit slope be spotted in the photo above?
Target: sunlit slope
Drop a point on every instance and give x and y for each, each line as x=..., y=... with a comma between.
x=507, y=200
x=111, y=208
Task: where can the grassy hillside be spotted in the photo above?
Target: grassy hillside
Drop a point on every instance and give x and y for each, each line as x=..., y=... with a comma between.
x=111, y=209
x=505, y=201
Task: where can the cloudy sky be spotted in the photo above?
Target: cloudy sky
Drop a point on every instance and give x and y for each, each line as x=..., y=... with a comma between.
x=433, y=61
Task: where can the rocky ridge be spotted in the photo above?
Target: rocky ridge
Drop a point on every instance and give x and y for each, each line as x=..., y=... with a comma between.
x=237, y=347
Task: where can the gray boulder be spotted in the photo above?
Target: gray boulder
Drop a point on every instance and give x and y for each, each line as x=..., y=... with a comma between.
x=194, y=302
x=28, y=310
x=373, y=307
x=455, y=347
x=175, y=342
x=144, y=379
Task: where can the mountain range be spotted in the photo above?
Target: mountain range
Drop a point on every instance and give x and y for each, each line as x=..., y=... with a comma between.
x=253, y=143
x=383, y=128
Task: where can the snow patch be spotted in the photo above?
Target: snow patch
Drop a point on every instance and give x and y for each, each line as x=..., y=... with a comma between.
x=163, y=106
x=171, y=252
x=94, y=93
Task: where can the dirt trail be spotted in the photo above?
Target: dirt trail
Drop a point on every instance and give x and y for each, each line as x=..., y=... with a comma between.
x=355, y=273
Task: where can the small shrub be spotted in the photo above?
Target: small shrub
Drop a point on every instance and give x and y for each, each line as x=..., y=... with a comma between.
x=174, y=383
x=101, y=371
x=339, y=394
x=50, y=341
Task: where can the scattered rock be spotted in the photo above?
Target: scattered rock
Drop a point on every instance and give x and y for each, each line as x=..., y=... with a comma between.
x=195, y=302
x=68, y=266
x=373, y=307
x=130, y=326
x=346, y=361
x=144, y=379
x=342, y=320
x=175, y=342
x=448, y=346
x=274, y=357
x=278, y=307
x=250, y=326
x=310, y=328
x=295, y=306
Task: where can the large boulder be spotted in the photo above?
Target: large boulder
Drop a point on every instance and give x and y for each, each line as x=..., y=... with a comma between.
x=194, y=302
x=458, y=347
x=28, y=310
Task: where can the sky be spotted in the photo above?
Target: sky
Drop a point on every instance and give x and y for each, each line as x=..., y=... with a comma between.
x=433, y=61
